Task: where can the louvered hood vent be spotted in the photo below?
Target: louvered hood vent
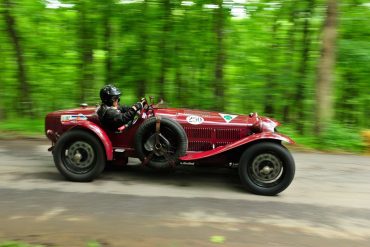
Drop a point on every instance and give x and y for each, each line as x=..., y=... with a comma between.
x=202, y=139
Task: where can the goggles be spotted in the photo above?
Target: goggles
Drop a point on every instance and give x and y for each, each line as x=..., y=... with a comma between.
x=114, y=98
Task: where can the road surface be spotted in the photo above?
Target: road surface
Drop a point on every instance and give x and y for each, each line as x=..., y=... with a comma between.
x=328, y=204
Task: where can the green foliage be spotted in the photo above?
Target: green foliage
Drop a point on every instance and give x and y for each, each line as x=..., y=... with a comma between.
x=20, y=244
x=17, y=244
x=337, y=137
x=341, y=137
x=173, y=50
x=23, y=126
x=93, y=244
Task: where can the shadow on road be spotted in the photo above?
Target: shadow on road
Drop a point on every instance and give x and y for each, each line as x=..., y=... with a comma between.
x=183, y=176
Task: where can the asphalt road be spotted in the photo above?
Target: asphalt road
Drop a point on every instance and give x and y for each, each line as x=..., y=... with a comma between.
x=328, y=204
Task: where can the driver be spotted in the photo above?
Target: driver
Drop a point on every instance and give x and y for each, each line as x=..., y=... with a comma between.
x=110, y=113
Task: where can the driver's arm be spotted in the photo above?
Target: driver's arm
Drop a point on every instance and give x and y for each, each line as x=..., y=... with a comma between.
x=121, y=118
x=123, y=108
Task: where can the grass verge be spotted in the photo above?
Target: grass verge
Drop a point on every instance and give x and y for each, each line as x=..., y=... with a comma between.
x=20, y=244
x=22, y=128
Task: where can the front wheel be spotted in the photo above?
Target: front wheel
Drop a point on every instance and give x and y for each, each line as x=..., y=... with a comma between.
x=266, y=168
x=79, y=156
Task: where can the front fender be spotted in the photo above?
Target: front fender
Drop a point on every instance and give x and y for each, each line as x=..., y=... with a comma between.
x=92, y=127
x=241, y=142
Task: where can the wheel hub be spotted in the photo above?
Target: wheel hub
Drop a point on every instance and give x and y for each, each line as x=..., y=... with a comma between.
x=266, y=168
x=157, y=144
x=77, y=157
x=80, y=154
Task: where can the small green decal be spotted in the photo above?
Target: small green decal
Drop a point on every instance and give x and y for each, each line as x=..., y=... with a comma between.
x=227, y=117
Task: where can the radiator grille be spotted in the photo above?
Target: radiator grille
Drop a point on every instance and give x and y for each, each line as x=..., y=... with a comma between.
x=205, y=133
x=228, y=134
x=202, y=139
x=199, y=146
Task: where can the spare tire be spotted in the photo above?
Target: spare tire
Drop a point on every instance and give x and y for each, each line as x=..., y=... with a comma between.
x=160, y=141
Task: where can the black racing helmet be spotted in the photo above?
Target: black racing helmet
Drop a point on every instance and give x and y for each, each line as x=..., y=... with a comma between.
x=108, y=94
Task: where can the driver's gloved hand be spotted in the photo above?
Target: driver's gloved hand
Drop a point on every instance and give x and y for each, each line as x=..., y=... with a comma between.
x=138, y=106
x=143, y=102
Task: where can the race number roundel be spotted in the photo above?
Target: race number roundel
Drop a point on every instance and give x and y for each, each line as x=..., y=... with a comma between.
x=193, y=119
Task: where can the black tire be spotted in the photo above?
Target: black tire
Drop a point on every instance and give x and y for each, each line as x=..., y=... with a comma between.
x=266, y=168
x=173, y=141
x=79, y=156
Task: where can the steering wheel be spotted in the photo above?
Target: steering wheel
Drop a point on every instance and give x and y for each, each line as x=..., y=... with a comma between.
x=138, y=115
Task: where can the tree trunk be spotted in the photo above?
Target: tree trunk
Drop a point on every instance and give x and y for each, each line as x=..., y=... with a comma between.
x=2, y=114
x=180, y=86
x=346, y=105
x=219, y=25
x=324, y=106
x=302, y=71
x=108, y=42
x=289, y=68
x=86, y=52
x=24, y=105
x=164, y=46
x=142, y=81
x=271, y=84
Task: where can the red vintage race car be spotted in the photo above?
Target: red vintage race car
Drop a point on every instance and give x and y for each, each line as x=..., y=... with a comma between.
x=163, y=138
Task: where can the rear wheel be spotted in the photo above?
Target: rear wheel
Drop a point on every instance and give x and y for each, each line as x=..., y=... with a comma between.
x=266, y=168
x=79, y=156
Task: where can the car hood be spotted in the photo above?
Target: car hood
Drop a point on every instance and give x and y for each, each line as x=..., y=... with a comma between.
x=199, y=117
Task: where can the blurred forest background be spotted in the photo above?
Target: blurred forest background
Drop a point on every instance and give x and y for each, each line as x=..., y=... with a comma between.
x=305, y=63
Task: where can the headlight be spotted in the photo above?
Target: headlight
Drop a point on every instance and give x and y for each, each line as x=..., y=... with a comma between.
x=269, y=125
